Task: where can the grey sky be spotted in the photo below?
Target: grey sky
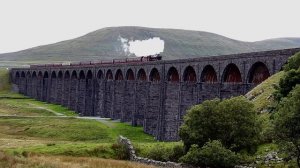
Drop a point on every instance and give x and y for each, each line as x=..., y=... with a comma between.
x=29, y=23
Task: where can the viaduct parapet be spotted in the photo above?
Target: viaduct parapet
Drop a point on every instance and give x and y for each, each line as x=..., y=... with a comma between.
x=154, y=94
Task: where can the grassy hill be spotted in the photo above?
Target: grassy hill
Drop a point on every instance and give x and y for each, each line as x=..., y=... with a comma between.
x=104, y=44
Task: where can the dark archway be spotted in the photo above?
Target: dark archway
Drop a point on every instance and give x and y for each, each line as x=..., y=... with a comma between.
x=119, y=75
x=154, y=75
x=173, y=75
x=142, y=75
x=209, y=75
x=40, y=75
x=60, y=75
x=81, y=75
x=232, y=74
x=89, y=75
x=129, y=75
x=100, y=74
x=53, y=75
x=74, y=75
x=46, y=74
x=67, y=75
x=22, y=74
x=34, y=74
x=189, y=74
x=17, y=74
x=109, y=75
x=28, y=75
x=258, y=73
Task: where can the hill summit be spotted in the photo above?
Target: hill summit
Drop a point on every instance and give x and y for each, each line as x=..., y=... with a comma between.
x=108, y=43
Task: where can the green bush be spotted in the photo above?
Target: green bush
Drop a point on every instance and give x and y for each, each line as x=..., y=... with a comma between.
x=293, y=62
x=232, y=121
x=120, y=151
x=164, y=153
x=212, y=154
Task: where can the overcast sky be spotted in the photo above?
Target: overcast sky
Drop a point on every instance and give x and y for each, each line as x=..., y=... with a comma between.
x=29, y=23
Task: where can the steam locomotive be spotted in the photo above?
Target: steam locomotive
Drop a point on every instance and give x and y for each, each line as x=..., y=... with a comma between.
x=156, y=57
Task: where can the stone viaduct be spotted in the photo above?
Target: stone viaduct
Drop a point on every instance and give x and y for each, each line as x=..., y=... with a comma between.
x=153, y=94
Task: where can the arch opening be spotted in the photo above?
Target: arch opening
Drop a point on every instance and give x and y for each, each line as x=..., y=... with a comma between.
x=258, y=73
x=40, y=75
x=67, y=75
x=142, y=75
x=154, y=75
x=89, y=75
x=22, y=74
x=81, y=75
x=209, y=75
x=17, y=74
x=189, y=74
x=34, y=74
x=173, y=75
x=28, y=75
x=119, y=75
x=60, y=74
x=232, y=74
x=129, y=75
x=109, y=75
x=74, y=75
x=46, y=74
x=53, y=74
x=100, y=74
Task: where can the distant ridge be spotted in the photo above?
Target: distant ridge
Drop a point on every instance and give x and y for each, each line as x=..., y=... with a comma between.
x=104, y=44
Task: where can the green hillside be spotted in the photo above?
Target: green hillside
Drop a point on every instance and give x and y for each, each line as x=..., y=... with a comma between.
x=105, y=44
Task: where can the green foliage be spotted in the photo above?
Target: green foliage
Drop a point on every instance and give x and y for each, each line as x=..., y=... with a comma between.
x=232, y=121
x=293, y=62
x=212, y=154
x=287, y=120
x=4, y=80
x=287, y=83
x=121, y=153
x=164, y=152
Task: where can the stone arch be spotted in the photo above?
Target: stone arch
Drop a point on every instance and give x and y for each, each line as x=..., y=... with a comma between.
x=129, y=74
x=22, y=74
x=119, y=75
x=173, y=75
x=28, y=74
x=154, y=75
x=100, y=74
x=74, y=75
x=60, y=75
x=46, y=74
x=258, y=73
x=209, y=74
x=142, y=75
x=53, y=75
x=81, y=75
x=232, y=74
x=34, y=74
x=40, y=75
x=189, y=74
x=67, y=75
x=89, y=74
x=17, y=74
x=109, y=75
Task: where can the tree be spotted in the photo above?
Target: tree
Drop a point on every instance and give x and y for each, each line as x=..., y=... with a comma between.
x=287, y=120
x=212, y=154
x=293, y=62
x=287, y=83
x=232, y=121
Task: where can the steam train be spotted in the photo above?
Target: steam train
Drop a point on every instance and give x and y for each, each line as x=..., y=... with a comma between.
x=149, y=58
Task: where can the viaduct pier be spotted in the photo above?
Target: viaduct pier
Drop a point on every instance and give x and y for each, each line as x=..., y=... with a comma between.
x=152, y=94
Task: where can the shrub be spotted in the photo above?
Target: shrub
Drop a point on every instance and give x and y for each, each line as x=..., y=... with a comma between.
x=232, y=121
x=293, y=62
x=212, y=154
x=121, y=152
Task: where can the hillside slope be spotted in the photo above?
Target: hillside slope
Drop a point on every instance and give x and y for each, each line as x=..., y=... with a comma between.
x=105, y=44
